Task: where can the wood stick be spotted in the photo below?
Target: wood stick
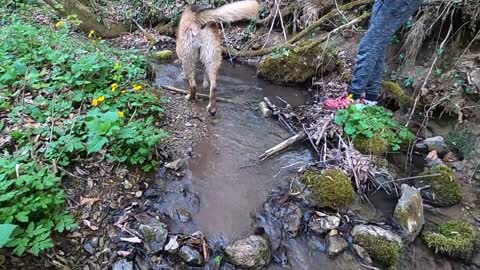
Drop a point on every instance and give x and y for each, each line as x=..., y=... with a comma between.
x=283, y=145
x=204, y=96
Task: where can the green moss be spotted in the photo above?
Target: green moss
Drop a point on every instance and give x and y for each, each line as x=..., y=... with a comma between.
x=376, y=145
x=308, y=59
x=453, y=238
x=444, y=187
x=330, y=188
x=383, y=251
x=163, y=55
x=397, y=93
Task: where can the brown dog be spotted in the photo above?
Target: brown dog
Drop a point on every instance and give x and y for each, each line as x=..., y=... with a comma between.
x=199, y=38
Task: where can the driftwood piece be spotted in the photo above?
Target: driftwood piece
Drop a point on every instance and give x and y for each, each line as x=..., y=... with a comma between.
x=204, y=96
x=283, y=145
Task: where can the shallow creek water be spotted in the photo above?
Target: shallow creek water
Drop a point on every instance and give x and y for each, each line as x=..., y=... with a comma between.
x=225, y=185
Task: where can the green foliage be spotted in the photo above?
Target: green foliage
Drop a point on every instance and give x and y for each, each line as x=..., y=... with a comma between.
x=460, y=141
x=65, y=98
x=330, y=188
x=453, y=238
x=6, y=230
x=31, y=200
x=372, y=121
x=383, y=251
x=444, y=188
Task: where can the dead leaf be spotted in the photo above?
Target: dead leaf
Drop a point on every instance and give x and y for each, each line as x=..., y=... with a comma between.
x=89, y=225
x=432, y=155
x=88, y=201
x=123, y=253
x=134, y=240
x=450, y=157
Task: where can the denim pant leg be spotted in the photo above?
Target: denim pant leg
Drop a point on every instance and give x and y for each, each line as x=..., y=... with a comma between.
x=388, y=18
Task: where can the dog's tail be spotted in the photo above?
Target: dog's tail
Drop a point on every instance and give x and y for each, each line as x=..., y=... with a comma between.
x=236, y=11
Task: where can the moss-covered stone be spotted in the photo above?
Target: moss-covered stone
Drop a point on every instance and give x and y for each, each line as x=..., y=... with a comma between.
x=383, y=251
x=453, y=238
x=330, y=188
x=163, y=55
x=397, y=93
x=376, y=145
x=299, y=64
x=444, y=189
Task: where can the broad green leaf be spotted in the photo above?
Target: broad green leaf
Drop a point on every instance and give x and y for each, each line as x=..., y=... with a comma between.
x=96, y=144
x=6, y=230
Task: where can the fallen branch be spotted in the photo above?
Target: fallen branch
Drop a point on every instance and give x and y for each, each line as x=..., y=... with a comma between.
x=304, y=32
x=150, y=38
x=283, y=145
x=204, y=96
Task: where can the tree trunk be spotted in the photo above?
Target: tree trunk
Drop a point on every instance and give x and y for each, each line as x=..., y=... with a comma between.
x=104, y=28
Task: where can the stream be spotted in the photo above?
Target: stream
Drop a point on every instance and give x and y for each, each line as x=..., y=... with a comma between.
x=225, y=184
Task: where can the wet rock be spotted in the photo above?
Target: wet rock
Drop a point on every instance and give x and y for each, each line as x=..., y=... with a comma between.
x=122, y=265
x=362, y=254
x=251, y=252
x=329, y=188
x=91, y=245
x=409, y=213
x=183, y=215
x=322, y=223
x=155, y=235
x=190, y=256
x=172, y=245
x=382, y=245
x=434, y=143
x=291, y=216
x=336, y=245
x=264, y=109
x=176, y=164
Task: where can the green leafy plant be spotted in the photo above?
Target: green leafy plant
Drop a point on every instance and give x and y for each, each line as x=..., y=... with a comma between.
x=369, y=121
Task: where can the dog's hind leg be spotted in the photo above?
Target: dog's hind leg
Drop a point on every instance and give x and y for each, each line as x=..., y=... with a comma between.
x=189, y=69
x=205, y=83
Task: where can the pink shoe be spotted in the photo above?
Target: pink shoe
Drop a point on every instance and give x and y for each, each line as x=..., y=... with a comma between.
x=340, y=102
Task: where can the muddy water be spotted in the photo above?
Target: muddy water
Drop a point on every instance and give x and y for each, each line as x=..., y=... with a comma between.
x=226, y=173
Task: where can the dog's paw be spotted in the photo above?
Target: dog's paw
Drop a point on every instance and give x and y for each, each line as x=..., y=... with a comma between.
x=211, y=110
x=205, y=84
x=191, y=97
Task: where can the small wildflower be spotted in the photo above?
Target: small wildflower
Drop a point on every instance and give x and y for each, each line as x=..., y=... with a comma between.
x=137, y=87
x=91, y=33
x=114, y=86
x=124, y=91
x=117, y=66
x=60, y=24
x=121, y=114
x=95, y=102
x=101, y=98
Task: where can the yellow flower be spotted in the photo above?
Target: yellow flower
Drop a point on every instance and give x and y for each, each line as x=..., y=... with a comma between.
x=117, y=66
x=95, y=102
x=101, y=98
x=91, y=33
x=121, y=114
x=137, y=87
x=60, y=24
x=114, y=86
x=124, y=91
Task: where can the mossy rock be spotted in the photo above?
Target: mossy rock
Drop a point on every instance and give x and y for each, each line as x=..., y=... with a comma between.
x=305, y=61
x=164, y=55
x=330, y=188
x=382, y=251
x=397, y=92
x=444, y=189
x=453, y=238
x=376, y=145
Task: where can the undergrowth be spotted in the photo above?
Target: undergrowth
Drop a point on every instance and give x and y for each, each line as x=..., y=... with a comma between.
x=64, y=99
x=370, y=121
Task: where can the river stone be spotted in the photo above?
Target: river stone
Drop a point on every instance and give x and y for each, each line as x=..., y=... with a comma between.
x=434, y=143
x=251, y=252
x=183, y=215
x=362, y=254
x=91, y=245
x=155, y=235
x=336, y=245
x=190, y=256
x=264, y=110
x=322, y=224
x=122, y=265
x=291, y=216
x=377, y=232
x=409, y=212
x=176, y=164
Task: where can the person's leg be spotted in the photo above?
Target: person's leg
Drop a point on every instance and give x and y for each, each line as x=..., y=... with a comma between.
x=406, y=9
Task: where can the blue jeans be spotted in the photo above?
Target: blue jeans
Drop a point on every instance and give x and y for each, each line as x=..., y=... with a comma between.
x=387, y=17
